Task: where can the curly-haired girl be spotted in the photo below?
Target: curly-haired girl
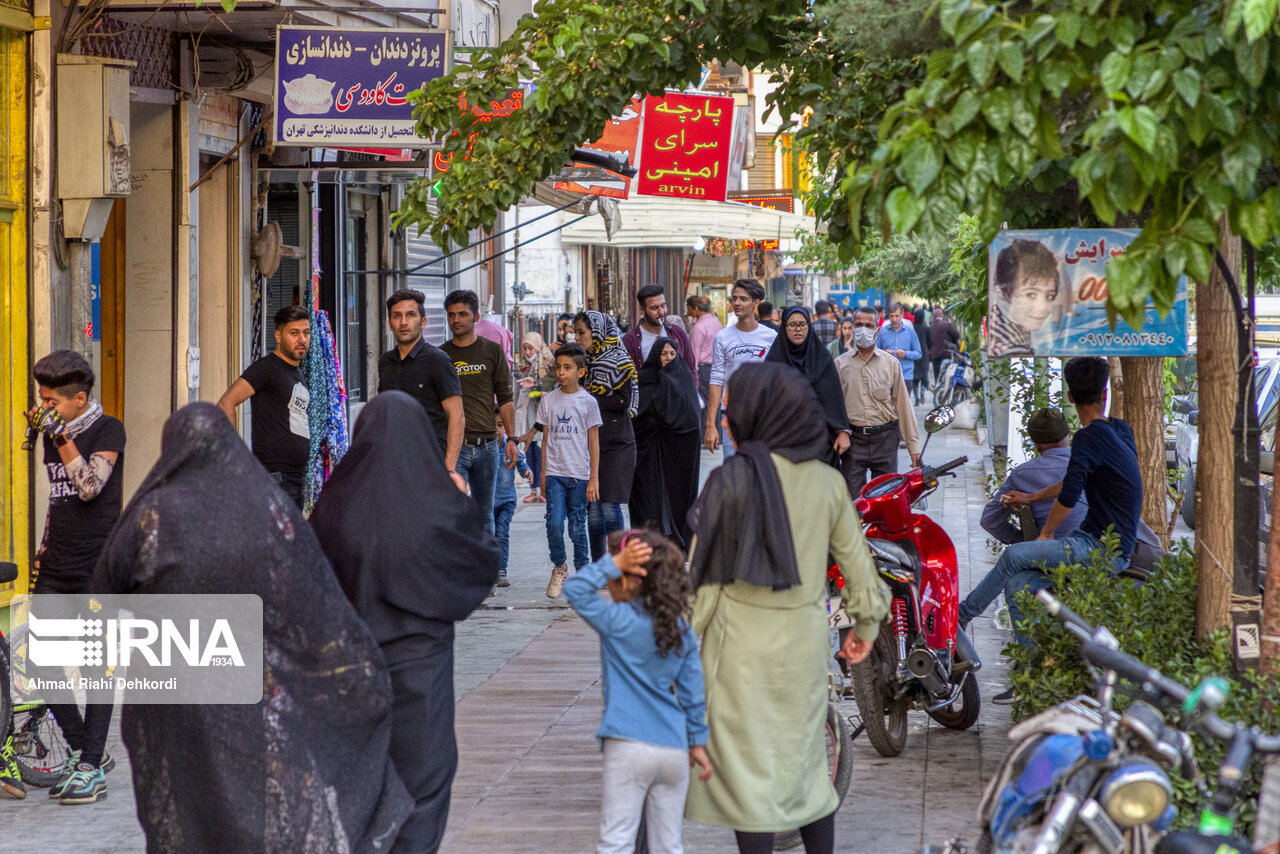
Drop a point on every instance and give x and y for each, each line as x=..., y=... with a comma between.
x=654, y=704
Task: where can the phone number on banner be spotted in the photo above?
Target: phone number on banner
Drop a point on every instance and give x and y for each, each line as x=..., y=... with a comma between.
x=1126, y=339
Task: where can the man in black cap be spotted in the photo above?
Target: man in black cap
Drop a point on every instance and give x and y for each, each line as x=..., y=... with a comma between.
x=1047, y=429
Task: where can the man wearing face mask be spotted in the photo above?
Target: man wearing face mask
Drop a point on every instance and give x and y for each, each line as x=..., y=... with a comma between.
x=878, y=405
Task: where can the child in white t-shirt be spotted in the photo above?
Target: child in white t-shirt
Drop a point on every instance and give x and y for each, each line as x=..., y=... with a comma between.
x=569, y=418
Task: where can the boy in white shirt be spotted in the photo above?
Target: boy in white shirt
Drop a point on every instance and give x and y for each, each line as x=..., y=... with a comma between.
x=570, y=419
x=748, y=341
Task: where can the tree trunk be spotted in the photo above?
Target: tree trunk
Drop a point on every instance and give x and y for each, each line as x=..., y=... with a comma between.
x=1270, y=662
x=1118, y=397
x=1215, y=466
x=1144, y=410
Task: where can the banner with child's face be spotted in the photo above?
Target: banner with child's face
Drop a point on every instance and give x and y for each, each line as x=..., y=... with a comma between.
x=1047, y=296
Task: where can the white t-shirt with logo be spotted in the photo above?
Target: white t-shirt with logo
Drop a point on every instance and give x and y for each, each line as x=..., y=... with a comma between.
x=734, y=348
x=568, y=418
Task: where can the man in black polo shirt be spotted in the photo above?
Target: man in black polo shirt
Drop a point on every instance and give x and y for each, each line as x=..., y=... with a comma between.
x=486, y=377
x=424, y=372
x=281, y=430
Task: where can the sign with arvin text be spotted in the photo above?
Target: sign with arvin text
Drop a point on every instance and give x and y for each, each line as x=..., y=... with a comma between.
x=1047, y=296
x=685, y=146
x=350, y=87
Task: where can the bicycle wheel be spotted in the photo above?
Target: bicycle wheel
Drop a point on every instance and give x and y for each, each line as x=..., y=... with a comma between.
x=840, y=764
x=38, y=745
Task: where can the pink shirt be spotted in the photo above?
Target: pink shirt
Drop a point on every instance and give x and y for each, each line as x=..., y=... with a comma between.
x=498, y=334
x=703, y=337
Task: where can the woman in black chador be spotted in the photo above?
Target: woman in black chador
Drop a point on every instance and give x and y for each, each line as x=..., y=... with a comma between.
x=414, y=558
x=668, y=444
x=306, y=770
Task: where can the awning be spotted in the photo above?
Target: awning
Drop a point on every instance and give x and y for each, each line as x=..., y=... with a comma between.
x=652, y=221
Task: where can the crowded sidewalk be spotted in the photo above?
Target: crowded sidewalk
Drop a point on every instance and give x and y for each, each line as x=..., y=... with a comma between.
x=529, y=702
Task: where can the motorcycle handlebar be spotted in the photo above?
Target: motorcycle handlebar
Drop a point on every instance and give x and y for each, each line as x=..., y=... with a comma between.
x=931, y=472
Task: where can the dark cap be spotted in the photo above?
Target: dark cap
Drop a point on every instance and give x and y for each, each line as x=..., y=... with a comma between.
x=1047, y=426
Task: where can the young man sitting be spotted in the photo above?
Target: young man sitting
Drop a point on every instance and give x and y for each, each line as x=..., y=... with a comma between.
x=1104, y=467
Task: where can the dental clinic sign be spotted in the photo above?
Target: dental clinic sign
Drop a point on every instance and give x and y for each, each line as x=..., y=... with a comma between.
x=350, y=87
x=157, y=649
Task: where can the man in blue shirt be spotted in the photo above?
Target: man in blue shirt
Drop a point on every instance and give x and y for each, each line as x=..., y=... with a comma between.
x=1103, y=466
x=1047, y=429
x=900, y=340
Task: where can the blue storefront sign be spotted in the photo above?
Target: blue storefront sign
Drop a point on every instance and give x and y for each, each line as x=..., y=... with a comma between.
x=350, y=87
x=1047, y=296
x=849, y=300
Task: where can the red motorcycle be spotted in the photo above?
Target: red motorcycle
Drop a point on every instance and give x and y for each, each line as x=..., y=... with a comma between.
x=921, y=659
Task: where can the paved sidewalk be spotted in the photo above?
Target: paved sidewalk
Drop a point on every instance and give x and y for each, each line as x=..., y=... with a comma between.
x=528, y=686
x=529, y=776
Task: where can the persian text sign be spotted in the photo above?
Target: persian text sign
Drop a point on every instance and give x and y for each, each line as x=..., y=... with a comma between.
x=684, y=150
x=350, y=87
x=1047, y=296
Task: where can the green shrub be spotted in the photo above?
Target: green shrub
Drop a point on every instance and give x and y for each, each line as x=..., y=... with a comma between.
x=1154, y=622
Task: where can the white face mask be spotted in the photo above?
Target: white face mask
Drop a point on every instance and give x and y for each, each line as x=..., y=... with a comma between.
x=863, y=337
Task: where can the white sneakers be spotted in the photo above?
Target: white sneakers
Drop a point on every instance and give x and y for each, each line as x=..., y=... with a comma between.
x=556, y=586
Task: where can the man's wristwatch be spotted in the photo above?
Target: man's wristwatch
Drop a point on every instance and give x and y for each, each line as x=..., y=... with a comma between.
x=60, y=440
x=509, y=439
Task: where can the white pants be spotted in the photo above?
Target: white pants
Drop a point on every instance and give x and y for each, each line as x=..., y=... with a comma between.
x=642, y=777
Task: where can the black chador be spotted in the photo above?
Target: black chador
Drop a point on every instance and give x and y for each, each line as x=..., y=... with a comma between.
x=413, y=556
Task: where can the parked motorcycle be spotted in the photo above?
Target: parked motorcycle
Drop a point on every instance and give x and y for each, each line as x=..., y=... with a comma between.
x=1082, y=777
x=955, y=379
x=922, y=659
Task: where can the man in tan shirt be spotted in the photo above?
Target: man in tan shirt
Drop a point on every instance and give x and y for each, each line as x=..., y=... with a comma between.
x=879, y=407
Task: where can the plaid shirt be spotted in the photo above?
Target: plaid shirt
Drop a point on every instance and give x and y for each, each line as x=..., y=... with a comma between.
x=825, y=328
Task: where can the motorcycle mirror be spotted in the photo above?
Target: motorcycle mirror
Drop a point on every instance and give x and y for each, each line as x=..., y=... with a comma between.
x=938, y=418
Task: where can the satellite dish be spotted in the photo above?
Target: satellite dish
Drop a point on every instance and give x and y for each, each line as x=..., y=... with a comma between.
x=268, y=248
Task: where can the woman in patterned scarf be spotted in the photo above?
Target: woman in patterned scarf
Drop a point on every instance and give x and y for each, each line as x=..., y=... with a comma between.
x=611, y=379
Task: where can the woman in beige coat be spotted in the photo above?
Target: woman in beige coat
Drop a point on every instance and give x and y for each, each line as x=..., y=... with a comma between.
x=765, y=524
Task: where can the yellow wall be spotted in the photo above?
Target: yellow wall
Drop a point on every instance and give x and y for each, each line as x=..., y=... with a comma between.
x=15, y=463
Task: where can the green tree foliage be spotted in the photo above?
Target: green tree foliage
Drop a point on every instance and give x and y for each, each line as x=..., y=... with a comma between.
x=1165, y=111
x=910, y=264
x=589, y=59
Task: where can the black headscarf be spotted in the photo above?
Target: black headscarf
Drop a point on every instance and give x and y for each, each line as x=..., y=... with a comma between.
x=814, y=361
x=741, y=520
x=667, y=392
x=307, y=768
x=407, y=547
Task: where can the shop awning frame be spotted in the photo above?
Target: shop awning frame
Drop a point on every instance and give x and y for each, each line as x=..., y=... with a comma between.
x=659, y=222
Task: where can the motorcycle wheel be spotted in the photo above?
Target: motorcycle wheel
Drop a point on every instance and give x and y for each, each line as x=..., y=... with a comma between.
x=963, y=713
x=885, y=718
x=840, y=764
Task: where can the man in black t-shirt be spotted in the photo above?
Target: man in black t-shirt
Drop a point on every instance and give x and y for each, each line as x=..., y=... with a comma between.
x=281, y=432
x=84, y=458
x=424, y=372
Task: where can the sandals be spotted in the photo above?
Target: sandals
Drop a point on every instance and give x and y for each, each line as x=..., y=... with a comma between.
x=533, y=497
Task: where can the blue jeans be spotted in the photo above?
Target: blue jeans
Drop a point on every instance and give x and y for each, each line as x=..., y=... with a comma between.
x=725, y=442
x=478, y=465
x=567, y=500
x=603, y=517
x=502, y=528
x=534, y=458
x=1021, y=567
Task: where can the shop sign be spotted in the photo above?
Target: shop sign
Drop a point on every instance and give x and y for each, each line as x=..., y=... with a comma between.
x=1047, y=296
x=712, y=269
x=778, y=200
x=621, y=136
x=514, y=102
x=685, y=147
x=350, y=87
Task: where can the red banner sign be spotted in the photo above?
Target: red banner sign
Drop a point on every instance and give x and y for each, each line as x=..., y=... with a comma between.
x=621, y=135
x=685, y=149
x=773, y=201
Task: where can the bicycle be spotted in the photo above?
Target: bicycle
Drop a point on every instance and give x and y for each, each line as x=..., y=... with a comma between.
x=26, y=722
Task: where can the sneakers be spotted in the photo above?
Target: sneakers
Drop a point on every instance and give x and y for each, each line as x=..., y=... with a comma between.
x=87, y=785
x=64, y=775
x=556, y=586
x=69, y=769
x=10, y=776
x=502, y=580
x=1007, y=697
